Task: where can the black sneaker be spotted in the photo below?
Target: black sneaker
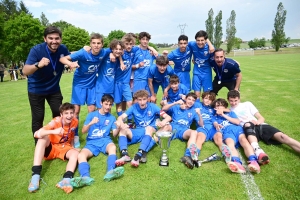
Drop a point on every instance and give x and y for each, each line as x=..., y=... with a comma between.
x=144, y=157
x=187, y=161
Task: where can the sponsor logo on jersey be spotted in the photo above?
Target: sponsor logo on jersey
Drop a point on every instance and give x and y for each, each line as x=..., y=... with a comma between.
x=97, y=133
x=182, y=121
x=92, y=68
x=144, y=123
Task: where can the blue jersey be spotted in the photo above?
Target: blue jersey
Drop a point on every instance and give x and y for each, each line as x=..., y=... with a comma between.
x=183, y=117
x=227, y=72
x=144, y=117
x=142, y=72
x=201, y=58
x=207, y=113
x=85, y=75
x=129, y=58
x=43, y=81
x=222, y=121
x=102, y=128
x=182, y=60
x=106, y=76
x=175, y=96
x=160, y=78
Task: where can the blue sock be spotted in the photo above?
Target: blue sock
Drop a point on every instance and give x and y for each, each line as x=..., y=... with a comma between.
x=84, y=169
x=187, y=152
x=252, y=157
x=122, y=142
x=198, y=151
x=111, y=162
x=237, y=159
x=120, y=113
x=145, y=142
x=152, y=143
x=76, y=130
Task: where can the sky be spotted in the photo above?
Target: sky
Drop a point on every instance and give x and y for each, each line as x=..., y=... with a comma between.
x=161, y=18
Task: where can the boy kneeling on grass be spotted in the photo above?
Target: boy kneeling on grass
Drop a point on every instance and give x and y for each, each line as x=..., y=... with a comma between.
x=227, y=129
x=55, y=140
x=98, y=125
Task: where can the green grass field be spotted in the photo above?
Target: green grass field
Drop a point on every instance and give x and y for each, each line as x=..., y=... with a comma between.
x=271, y=82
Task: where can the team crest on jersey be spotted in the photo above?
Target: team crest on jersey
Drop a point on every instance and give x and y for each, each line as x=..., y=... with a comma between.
x=100, y=58
x=190, y=115
x=62, y=55
x=205, y=53
x=106, y=122
x=210, y=110
x=149, y=113
x=225, y=70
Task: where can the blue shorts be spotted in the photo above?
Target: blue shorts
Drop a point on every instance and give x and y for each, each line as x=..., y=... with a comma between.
x=207, y=131
x=185, y=79
x=99, y=97
x=82, y=96
x=96, y=147
x=203, y=81
x=233, y=132
x=137, y=135
x=122, y=92
x=178, y=130
x=140, y=85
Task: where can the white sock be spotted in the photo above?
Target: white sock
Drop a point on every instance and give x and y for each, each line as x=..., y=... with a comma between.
x=257, y=149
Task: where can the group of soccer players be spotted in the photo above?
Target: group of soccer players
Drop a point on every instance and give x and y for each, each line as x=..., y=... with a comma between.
x=126, y=75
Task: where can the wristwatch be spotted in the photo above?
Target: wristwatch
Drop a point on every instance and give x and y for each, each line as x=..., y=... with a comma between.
x=37, y=65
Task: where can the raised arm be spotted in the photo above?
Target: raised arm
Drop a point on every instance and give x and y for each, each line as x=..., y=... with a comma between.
x=86, y=128
x=30, y=69
x=210, y=46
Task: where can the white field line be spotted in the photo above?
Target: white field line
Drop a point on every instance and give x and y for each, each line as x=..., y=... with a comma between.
x=249, y=182
x=272, y=80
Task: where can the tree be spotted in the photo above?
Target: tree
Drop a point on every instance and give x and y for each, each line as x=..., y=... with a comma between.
x=44, y=21
x=278, y=34
x=75, y=38
x=21, y=33
x=257, y=42
x=115, y=34
x=218, y=30
x=237, y=42
x=209, y=23
x=9, y=7
x=230, y=31
x=1, y=30
x=61, y=25
x=23, y=8
x=286, y=41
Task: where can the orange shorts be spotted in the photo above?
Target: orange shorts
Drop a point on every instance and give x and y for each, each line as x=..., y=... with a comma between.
x=58, y=151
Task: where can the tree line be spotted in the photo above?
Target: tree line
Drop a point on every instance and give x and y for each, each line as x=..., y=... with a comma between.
x=20, y=31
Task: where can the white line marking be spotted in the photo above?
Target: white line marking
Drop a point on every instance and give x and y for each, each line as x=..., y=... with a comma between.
x=273, y=80
x=249, y=182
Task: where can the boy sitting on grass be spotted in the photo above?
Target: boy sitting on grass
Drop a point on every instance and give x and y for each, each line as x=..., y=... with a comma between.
x=183, y=114
x=98, y=125
x=227, y=129
x=55, y=140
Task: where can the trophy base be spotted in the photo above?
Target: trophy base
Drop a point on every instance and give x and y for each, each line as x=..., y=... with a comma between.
x=164, y=163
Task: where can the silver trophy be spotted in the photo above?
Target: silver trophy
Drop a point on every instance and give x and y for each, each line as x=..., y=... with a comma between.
x=213, y=157
x=164, y=138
